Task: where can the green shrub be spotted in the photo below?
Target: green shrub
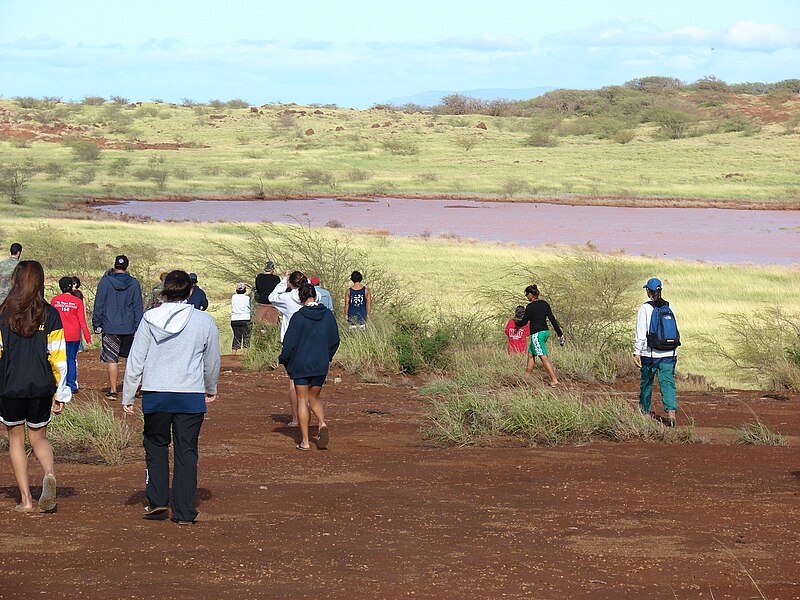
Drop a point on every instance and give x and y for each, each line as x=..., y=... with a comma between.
x=93, y=100
x=541, y=139
x=13, y=180
x=237, y=103
x=318, y=177
x=119, y=166
x=358, y=174
x=83, y=177
x=763, y=343
x=265, y=347
x=623, y=136
x=400, y=147
x=54, y=170
x=84, y=150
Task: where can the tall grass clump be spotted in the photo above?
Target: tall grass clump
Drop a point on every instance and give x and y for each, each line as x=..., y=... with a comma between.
x=265, y=346
x=541, y=417
x=758, y=434
x=763, y=344
x=91, y=427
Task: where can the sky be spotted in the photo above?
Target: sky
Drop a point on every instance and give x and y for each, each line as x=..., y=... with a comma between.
x=357, y=53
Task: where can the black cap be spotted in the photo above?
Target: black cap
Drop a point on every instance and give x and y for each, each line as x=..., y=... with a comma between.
x=121, y=262
x=193, y=277
x=65, y=284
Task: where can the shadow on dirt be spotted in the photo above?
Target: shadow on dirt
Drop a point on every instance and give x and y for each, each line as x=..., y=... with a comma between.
x=12, y=491
x=140, y=497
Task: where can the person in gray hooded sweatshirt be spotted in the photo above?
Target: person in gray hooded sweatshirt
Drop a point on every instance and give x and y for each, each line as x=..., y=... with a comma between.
x=175, y=357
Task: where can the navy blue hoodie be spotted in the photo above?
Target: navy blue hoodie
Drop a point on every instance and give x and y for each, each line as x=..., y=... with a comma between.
x=117, y=304
x=310, y=342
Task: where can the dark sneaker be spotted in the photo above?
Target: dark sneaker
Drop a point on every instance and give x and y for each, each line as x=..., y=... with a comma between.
x=111, y=395
x=181, y=522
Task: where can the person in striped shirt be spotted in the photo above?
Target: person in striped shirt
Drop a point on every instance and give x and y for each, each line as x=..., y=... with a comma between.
x=33, y=372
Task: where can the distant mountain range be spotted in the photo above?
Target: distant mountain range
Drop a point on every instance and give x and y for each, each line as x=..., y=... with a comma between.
x=431, y=98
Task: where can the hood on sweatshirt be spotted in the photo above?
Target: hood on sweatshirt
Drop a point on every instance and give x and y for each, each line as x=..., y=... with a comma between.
x=168, y=319
x=121, y=281
x=315, y=312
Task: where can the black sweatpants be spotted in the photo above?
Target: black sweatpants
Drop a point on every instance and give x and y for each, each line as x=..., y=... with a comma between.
x=241, y=334
x=185, y=428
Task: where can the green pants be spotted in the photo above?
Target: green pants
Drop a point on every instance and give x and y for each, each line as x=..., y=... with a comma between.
x=664, y=368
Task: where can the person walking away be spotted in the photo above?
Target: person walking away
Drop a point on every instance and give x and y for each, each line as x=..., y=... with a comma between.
x=33, y=373
x=7, y=267
x=197, y=297
x=154, y=299
x=517, y=336
x=73, y=320
x=240, y=317
x=536, y=314
x=76, y=291
x=265, y=284
x=175, y=358
x=655, y=351
x=286, y=299
x=323, y=295
x=357, y=302
x=117, y=312
x=308, y=349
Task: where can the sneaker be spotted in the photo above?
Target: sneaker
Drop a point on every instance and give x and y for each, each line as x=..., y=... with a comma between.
x=181, y=522
x=47, y=501
x=111, y=395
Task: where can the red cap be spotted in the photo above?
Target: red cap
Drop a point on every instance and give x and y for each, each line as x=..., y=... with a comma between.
x=314, y=281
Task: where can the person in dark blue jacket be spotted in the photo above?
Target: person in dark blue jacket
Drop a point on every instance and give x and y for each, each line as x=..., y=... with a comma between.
x=198, y=297
x=118, y=308
x=308, y=348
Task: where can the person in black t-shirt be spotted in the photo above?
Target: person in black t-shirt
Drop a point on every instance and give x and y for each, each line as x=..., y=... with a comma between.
x=537, y=313
x=265, y=284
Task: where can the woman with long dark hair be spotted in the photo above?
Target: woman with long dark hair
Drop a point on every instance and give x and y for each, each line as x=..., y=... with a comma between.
x=537, y=313
x=175, y=357
x=33, y=373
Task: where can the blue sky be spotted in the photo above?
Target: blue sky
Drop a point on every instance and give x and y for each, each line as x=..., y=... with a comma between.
x=356, y=53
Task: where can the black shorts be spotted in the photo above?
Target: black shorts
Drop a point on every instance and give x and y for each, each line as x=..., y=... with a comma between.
x=34, y=412
x=115, y=346
x=317, y=381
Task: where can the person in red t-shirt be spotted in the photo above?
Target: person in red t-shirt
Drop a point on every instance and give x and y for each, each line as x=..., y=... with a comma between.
x=518, y=336
x=73, y=318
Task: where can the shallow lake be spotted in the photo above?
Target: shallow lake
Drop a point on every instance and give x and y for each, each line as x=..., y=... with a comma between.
x=710, y=234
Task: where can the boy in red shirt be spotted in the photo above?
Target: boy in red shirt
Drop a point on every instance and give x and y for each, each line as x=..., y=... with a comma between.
x=517, y=337
x=73, y=319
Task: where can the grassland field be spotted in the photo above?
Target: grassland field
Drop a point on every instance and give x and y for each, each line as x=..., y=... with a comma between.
x=204, y=152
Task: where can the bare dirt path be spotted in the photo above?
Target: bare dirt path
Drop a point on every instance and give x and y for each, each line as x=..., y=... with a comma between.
x=383, y=514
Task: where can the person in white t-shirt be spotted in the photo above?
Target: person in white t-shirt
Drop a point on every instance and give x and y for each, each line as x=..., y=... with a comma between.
x=240, y=317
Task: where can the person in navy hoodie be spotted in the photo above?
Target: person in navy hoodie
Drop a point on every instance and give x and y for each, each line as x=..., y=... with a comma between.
x=308, y=348
x=118, y=308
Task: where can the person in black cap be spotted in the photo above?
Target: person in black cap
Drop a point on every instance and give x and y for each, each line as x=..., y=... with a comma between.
x=197, y=297
x=265, y=284
x=117, y=311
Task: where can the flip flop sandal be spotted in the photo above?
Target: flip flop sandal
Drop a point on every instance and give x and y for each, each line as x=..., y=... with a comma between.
x=155, y=513
x=22, y=509
x=323, y=438
x=299, y=447
x=47, y=501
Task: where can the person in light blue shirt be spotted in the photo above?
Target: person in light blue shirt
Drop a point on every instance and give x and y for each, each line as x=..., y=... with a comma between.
x=323, y=295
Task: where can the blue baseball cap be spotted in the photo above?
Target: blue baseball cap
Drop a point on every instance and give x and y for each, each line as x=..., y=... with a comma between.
x=653, y=284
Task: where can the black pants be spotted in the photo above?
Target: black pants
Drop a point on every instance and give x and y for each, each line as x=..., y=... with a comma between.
x=185, y=433
x=241, y=334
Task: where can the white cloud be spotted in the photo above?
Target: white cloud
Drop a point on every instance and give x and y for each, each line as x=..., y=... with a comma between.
x=487, y=42
x=746, y=35
x=40, y=42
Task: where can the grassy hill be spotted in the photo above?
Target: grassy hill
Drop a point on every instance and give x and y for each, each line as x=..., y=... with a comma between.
x=743, y=148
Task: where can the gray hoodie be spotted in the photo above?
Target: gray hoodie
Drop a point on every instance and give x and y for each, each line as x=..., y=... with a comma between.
x=176, y=349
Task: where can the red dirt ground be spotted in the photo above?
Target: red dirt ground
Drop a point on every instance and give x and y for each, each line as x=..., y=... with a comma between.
x=384, y=514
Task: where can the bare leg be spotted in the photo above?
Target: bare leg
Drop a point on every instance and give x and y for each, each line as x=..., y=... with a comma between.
x=548, y=366
x=317, y=406
x=112, y=376
x=531, y=364
x=303, y=417
x=293, y=403
x=19, y=464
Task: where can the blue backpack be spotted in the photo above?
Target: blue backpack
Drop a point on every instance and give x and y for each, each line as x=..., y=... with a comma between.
x=663, y=333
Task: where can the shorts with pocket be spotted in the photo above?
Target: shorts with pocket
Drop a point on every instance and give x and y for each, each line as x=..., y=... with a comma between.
x=34, y=412
x=115, y=346
x=317, y=381
x=538, y=345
